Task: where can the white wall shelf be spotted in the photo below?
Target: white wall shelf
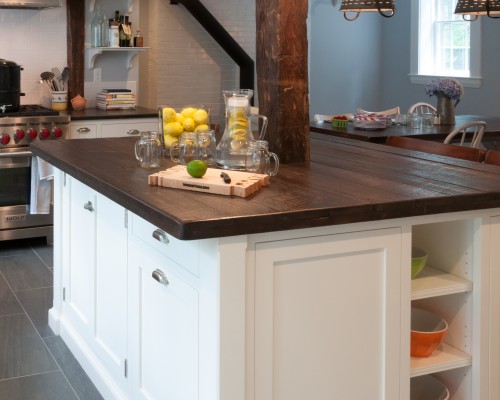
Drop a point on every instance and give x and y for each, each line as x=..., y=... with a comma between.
x=130, y=5
x=94, y=52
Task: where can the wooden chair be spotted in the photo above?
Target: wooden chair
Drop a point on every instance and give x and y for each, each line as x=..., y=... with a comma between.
x=422, y=108
x=477, y=133
x=427, y=146
x=390, y=111
x=492, y=157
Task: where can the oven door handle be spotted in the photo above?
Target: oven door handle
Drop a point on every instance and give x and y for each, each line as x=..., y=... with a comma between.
x=16, y=154
x=15, y=159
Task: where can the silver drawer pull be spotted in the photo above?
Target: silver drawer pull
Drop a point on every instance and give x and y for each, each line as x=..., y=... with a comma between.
x=160, y=276
x=88, y=206
x=133, y=132
x=83, y=130
x=161, y=236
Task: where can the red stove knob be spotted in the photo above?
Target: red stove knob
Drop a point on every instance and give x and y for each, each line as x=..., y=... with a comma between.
x=57, y=132
x=4, y=138
x=32, y=133
x=19, y=135
x=44, y=133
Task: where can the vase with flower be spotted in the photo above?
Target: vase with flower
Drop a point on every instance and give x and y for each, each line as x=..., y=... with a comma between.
x=446, y=90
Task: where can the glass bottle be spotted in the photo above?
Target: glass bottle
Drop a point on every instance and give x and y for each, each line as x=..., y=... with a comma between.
x=95, y=28
x=128, y=32
x=123, y=36
x=138, y=39
x=104, y=23
x=114, y=34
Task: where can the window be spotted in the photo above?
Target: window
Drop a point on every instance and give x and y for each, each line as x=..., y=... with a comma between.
x=443, y=44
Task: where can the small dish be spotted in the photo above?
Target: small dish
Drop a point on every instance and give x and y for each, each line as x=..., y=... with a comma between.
x=428, y=331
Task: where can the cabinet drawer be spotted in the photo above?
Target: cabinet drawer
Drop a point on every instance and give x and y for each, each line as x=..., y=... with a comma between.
x=83, y=131
x=130, y=127
x=182, y=252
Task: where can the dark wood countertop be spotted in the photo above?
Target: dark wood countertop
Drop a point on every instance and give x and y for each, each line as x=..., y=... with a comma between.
x=347, y=181
x=94, y=113
x=437, y=132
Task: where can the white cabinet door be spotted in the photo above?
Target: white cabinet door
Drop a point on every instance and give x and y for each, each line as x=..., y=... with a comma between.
x=96, y=279
x=110, y=323
x=328, y=317
x=79, y=270
x=128, y=127
x=163, y=328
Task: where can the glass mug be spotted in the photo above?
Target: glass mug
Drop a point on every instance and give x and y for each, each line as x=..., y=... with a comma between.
x=258, y=158
x=148, y=150
x=194, y=146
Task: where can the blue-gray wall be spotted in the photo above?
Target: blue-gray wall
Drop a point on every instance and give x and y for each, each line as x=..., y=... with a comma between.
x=366, y=63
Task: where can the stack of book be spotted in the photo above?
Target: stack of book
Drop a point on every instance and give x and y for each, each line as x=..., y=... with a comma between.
x=115, y=99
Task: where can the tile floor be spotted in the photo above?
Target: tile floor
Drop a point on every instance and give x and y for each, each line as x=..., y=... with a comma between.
x=35, y=364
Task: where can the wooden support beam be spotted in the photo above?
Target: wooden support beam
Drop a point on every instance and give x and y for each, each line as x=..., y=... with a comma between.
x=75, y=12
x=282, y=76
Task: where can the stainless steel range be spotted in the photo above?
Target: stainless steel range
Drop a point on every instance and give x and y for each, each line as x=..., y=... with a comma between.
x=17, y=130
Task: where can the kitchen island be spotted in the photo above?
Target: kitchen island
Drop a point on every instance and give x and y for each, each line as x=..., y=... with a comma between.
x=301, y=290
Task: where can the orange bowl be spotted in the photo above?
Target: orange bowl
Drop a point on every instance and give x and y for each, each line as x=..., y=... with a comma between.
x=428, y=331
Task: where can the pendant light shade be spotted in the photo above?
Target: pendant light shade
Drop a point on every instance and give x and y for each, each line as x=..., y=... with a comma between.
x=474, y=8
x=385, y=8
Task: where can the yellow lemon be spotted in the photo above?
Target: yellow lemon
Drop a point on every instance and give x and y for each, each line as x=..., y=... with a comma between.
x=200, y=117
x=196, y=168
x=200, y=128
x=238, y=133
x=238, y=112
x=238, y=143
x=169, y=140
x=188, y=112
x=168, y=115
x=179, y=117
x=172, y=129
x=188, y=124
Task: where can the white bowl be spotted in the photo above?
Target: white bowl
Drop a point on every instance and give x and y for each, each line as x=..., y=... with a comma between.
x=427, y=387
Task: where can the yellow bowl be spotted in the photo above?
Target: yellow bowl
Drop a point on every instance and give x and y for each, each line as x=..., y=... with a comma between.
x=418, y=261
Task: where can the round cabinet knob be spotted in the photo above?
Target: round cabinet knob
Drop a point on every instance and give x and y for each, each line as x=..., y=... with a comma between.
x=4, y=138
x=19, y=135
x=57, y=132
x=44, y=133
x=32, y=133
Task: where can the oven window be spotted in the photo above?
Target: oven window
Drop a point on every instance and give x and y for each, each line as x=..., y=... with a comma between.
x=15, y=186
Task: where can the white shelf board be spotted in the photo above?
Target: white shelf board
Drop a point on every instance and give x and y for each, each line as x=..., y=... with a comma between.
x=433, y=282
x=131, y=53
x=446, y=357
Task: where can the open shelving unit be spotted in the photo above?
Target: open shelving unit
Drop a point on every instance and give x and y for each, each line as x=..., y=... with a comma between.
x=131, y=52
x=446, y=287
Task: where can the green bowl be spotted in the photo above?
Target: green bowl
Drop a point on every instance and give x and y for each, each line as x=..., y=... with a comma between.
x=418, y=261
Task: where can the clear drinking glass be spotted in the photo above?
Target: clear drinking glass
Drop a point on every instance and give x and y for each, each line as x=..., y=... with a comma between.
x=258, y=158
x=148, y=150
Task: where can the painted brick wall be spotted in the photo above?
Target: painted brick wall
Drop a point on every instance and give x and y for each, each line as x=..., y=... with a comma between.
x=36, y=40
x=187, y=67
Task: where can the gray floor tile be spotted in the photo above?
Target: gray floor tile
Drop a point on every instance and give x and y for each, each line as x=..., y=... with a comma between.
x=45, y=252
x=48, y=386
x=25, y=271
x=22, y=351
x=75, y=374
x=37, y=302
x=8, y=302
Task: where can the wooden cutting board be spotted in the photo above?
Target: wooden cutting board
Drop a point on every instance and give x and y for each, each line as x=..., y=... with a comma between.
x=242, y=184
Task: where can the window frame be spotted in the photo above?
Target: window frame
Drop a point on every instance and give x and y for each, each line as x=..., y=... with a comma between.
x=475, y=79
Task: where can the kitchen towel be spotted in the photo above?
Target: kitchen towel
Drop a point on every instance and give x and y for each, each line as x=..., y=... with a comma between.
x=42, y=174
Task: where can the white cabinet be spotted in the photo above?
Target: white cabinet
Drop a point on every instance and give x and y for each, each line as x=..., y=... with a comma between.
x=164, y=328
x=95, y=277
x=328, y=316
x=91, y=129
x=453, y=285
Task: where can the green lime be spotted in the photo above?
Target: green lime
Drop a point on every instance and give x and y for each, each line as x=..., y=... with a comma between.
x=196, y=168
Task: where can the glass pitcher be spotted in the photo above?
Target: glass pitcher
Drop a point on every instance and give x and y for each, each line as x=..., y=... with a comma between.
x=232, y=148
